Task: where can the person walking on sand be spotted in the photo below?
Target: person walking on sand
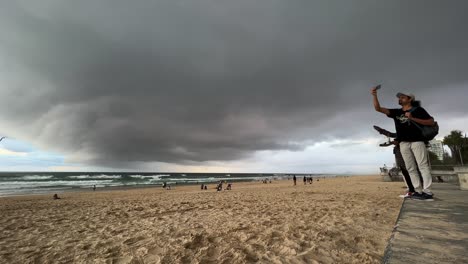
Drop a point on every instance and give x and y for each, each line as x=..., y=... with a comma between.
x=412, y=143
x=305, y=180
x=294, y=179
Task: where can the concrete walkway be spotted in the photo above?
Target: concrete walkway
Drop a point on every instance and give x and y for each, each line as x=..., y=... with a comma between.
x=432, y=231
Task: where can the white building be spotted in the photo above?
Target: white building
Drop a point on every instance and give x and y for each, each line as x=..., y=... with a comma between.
x=437, y=148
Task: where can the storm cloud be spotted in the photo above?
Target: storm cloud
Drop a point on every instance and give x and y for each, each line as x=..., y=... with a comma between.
x=110, y=82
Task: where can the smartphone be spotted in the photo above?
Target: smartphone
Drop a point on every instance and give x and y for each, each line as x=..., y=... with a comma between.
x=378, y=87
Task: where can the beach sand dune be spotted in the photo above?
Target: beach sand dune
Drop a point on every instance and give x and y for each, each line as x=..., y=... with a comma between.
x=341, y=220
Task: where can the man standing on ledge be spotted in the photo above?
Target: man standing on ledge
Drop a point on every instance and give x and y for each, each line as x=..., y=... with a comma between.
x=412, y=145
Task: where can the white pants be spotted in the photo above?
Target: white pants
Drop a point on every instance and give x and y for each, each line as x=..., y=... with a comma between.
x=416, y=156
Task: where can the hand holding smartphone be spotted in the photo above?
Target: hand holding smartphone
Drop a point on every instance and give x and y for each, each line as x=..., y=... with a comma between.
x=374, y=90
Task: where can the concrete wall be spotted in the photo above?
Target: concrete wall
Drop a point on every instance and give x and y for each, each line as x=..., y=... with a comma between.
x=446, y=176
x=462, y=173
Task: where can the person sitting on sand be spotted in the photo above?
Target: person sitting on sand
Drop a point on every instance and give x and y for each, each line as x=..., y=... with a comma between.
x=220, y=186
x=56, y=197
x=229, y=186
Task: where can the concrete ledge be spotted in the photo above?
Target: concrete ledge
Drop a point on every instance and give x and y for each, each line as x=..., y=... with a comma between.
x=462, y=173
x=447, y=176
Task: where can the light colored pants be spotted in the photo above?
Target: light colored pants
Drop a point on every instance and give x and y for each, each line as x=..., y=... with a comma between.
x=416, y=156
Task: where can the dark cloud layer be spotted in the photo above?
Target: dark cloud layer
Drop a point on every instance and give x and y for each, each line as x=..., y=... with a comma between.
x=181, y=81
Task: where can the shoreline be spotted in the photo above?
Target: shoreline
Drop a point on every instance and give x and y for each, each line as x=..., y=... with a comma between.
x=156, y=185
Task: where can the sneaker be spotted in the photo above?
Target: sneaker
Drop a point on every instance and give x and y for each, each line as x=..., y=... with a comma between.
x=406, y=195
x=386, y=144
x=422, y=196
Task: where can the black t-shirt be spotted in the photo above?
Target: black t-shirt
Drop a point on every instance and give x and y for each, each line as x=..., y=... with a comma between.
x=406, y=130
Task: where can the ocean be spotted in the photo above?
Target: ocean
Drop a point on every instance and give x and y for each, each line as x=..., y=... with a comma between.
x=27, y=183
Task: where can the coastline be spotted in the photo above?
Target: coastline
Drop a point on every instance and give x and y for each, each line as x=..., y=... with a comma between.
x=174, y=182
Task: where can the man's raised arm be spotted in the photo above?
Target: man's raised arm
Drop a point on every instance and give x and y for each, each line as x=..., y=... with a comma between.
x=377, y=106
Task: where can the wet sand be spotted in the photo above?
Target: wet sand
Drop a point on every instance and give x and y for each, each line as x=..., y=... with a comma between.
x=341, y=220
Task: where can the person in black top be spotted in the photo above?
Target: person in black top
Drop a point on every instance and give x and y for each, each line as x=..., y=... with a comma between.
x=411, y=141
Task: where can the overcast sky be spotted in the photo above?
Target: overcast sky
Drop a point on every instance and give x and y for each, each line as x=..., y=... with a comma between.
x=221, y=85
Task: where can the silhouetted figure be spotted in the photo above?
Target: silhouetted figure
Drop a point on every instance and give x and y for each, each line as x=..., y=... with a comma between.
x=56, y=197
x=305, y=180
x=400, y=163
x=94, y=188
x=294, y=179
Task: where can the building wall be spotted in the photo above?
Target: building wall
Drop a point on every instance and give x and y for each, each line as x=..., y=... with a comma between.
x=437, y=148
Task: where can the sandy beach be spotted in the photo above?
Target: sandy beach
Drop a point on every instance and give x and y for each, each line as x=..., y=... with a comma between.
x=341, y=220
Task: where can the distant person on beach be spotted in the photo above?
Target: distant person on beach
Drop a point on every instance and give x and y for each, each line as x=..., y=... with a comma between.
x=412, y=143
x=294, y=179
x=305, y=180
x=229, y=186
x=94, y=188
x=202, y=186
x=398, y=159
x=56, y=197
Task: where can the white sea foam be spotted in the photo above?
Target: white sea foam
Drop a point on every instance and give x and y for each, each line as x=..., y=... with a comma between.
x=102, y=176
x=78, y=176
x=37, y=177
x=148, y=177
x=36, y=184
